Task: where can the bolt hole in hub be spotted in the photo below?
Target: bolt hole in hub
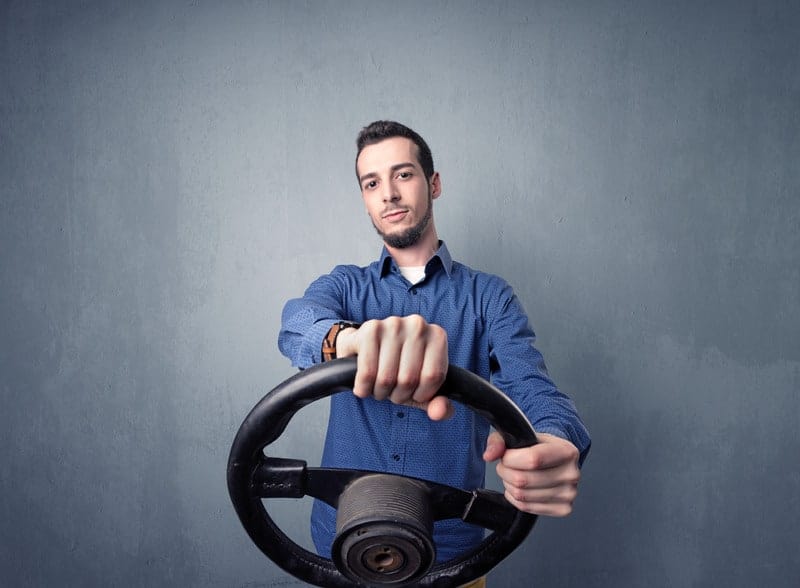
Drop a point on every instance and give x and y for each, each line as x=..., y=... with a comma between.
x=384, y=531
x=383, y=559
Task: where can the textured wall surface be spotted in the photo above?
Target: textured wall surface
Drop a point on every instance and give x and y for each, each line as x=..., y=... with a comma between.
x=172, y=171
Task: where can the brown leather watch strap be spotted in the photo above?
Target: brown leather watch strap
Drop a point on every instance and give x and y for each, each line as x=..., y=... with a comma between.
x=329, y=343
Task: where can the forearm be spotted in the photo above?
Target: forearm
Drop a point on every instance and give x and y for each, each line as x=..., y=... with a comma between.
x=524, y=378
x=521, y=373
x=305, y=321
x=302, y=330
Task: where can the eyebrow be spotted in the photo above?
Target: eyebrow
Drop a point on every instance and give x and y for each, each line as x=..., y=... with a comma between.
x=394, y=168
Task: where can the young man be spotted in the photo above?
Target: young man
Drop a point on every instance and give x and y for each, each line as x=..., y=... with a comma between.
x=406, y=317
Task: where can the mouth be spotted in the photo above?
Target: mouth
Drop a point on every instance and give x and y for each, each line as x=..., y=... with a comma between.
x=394, y=215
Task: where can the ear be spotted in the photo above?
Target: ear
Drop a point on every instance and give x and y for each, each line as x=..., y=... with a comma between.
x=436, y=185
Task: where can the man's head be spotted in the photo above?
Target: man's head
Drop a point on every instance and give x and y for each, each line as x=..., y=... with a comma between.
x=395, y=172
x=385, y=129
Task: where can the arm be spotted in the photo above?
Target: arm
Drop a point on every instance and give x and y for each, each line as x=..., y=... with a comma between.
x=305, y=321
x=403, y=359
x=542, y=479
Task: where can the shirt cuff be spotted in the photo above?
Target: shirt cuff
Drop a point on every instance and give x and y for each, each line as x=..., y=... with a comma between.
x=314, y=337
x=550, y=430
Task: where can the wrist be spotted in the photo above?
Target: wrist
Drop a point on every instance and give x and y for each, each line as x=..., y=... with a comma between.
x=345, y=343
x=332, y=345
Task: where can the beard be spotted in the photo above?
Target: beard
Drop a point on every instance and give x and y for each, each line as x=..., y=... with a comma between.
x=411, y=235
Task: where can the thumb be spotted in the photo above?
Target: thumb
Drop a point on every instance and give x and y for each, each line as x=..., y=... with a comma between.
x=438, y=408
x=495, y=447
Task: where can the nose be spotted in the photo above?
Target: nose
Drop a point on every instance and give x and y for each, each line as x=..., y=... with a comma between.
x=390, y=192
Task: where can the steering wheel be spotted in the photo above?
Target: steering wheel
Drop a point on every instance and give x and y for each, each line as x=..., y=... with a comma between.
x=384, y=521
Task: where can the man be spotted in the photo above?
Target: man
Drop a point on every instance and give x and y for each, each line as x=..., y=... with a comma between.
x=406, y=317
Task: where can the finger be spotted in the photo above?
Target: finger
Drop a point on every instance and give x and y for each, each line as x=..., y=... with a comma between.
x=434, y=364
x=537, y=493
x=551, y=452
x=368, y=349
x=495, y=447
x=551, y=508
x=410, y=366
x=547, y=481
x=563, y=493
x=391, y=346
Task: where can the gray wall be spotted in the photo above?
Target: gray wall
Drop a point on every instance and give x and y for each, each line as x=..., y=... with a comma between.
x=171, y=172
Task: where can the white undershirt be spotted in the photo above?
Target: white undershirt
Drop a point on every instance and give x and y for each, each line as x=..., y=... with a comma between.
x=414, y=273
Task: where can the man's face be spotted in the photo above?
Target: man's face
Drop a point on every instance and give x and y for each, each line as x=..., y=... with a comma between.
x=396, y=193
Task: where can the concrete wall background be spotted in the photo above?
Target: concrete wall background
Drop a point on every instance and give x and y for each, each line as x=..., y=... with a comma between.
x=172, y=171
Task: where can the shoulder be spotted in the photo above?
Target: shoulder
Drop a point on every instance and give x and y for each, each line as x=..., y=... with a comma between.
x=348, y=276
x=338, y=277
x=347, y=269
x=355, y=271
x=484, y=281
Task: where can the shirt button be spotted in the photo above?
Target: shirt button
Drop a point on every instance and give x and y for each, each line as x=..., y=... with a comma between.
x=414, y=291
x=396, y=457
x=400, y=414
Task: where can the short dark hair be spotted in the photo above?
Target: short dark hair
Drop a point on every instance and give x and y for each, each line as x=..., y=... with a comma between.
x=386, y=129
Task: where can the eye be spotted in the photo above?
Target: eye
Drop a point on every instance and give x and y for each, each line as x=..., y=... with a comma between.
x=370, y=185
x=404, y=175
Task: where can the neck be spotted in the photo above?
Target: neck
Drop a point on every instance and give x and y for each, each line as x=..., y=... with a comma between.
x=418, y=254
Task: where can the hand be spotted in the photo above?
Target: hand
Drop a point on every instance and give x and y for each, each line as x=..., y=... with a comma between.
x=541, y=479
x=403, y=359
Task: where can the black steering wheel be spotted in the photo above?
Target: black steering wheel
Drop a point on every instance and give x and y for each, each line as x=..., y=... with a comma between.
x=384, y=521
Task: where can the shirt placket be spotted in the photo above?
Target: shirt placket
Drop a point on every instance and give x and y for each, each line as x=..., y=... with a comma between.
x=399, y=433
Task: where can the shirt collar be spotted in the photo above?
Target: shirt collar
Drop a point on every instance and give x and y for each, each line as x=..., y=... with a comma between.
x=386, y=263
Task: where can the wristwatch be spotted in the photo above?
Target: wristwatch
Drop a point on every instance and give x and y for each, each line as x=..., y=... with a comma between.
x=329, y=343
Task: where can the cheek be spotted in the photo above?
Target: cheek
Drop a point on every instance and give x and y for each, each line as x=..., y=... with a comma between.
x=371, y=207
x=371, y=213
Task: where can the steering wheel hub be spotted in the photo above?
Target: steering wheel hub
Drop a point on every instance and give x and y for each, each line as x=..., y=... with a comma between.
x=383, y=530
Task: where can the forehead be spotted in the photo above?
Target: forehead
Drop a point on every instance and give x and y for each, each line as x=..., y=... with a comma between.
x=384, y=154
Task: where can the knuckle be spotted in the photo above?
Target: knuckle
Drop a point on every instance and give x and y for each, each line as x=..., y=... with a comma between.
x=570, y=496
x=432, y=376
x=517, y=480
x=400, y=397
x=570, y=476
x=367, y=375
x=574, y=455
x=438, y=332
x=369, y=328
x=515, y=493
x=387, y=382
x=416, y=321
x=568, y=493
x=391, y=326
x=575, y=477
x=532, y=461
x=408, y=382
x=414, y=326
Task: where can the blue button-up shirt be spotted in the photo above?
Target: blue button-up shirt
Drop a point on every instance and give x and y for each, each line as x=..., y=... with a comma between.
x=488, y=334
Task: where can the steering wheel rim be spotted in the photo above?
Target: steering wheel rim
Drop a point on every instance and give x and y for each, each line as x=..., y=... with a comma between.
x=269, y=418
